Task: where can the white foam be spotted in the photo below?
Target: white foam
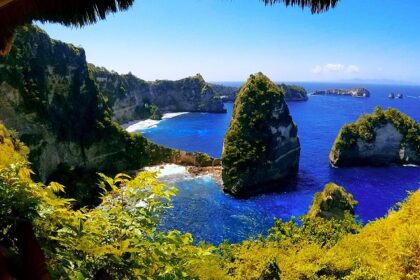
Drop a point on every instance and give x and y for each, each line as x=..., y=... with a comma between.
x=173, y=115
x=165, y=170
x=134, y=126
x=410, y=165
x=140, y=125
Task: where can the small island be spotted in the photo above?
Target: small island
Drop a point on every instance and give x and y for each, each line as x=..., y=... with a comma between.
x=354, y=92
x=382, y=138
x=294, y=92
x=261, y=146
x=291, y=92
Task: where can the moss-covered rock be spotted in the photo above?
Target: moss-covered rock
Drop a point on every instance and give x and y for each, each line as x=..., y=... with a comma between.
x=384, y=137
x=332, y=202
x=261, y=147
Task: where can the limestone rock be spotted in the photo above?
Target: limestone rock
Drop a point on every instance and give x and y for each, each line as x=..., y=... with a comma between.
x=261, y=147
x=132, y=98
x=355, y=92
x=382, y=138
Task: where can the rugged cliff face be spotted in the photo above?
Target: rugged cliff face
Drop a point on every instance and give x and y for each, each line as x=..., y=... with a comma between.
x=48, y=97
x=261, y=146
x=132, y=98
x=382, y=138
x=355, y=92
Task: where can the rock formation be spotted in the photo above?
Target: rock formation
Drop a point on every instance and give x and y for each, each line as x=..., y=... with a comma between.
x=355, y=92
x=294, y=92
x=332, y=202
x=261, y=147
x=48, y=97
x=225, y=93
x=291, y=92
x=132, y=98
x=384, y=137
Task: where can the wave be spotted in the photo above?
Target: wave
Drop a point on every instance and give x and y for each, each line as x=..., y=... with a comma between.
x=165, y=170
x=139, y=125
x=410, y=165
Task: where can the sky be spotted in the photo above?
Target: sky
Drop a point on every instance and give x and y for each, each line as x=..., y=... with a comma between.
x=227, y=40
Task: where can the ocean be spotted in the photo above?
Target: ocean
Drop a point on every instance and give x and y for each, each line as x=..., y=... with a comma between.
x=202, y=209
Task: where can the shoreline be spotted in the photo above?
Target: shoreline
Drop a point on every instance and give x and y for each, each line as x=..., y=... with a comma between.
x=139, y=125
x=168, y=170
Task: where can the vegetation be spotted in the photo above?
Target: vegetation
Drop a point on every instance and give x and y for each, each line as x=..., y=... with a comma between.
x=249, y=142
x=294, y=92
x=332, y=202
x=118, y=239
x=60, y=106
x=364, y=129
x=12, y=149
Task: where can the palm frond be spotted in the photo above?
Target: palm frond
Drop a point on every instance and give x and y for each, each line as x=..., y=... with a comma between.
x=81, y=12
x=316, y=6
x=68, y=12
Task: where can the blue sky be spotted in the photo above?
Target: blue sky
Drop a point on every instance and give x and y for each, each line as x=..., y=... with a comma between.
x=226, y=40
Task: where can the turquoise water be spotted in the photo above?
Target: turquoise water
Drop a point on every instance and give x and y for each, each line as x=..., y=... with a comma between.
x=204, y=210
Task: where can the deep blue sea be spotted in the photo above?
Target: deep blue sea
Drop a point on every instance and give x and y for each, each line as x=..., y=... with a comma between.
x=204, y=210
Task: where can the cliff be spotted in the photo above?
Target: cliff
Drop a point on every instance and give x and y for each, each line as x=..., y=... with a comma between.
x=261, y=147
x=291, y=92
x=355, y=92
x=132, y=98
x=49, y=98
x=384, y=137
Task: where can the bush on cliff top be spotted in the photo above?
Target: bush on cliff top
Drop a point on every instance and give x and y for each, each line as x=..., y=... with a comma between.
x=332, y=202
x=364, y=129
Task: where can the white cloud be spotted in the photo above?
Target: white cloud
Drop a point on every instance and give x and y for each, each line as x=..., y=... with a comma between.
x=353, y=69
x=336, y=68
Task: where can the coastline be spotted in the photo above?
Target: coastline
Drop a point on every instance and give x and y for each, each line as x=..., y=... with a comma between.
x=170, y=170
x=139, y=125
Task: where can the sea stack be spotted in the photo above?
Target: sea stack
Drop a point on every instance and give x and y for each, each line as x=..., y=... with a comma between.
x=382, y=138
x=261, y=148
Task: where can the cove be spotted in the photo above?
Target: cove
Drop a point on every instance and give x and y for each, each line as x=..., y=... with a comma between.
x=202, y=209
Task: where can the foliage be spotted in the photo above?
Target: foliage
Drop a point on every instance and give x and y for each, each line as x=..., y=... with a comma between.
x=12, y=150
x=249, y=139
x=316, y=248
x=294, y=92
x=119, y=237
x=364, y=129
x=56, y=89
x=333, y=201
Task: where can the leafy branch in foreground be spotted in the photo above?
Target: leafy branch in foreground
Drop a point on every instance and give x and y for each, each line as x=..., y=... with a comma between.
x=118, y=238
